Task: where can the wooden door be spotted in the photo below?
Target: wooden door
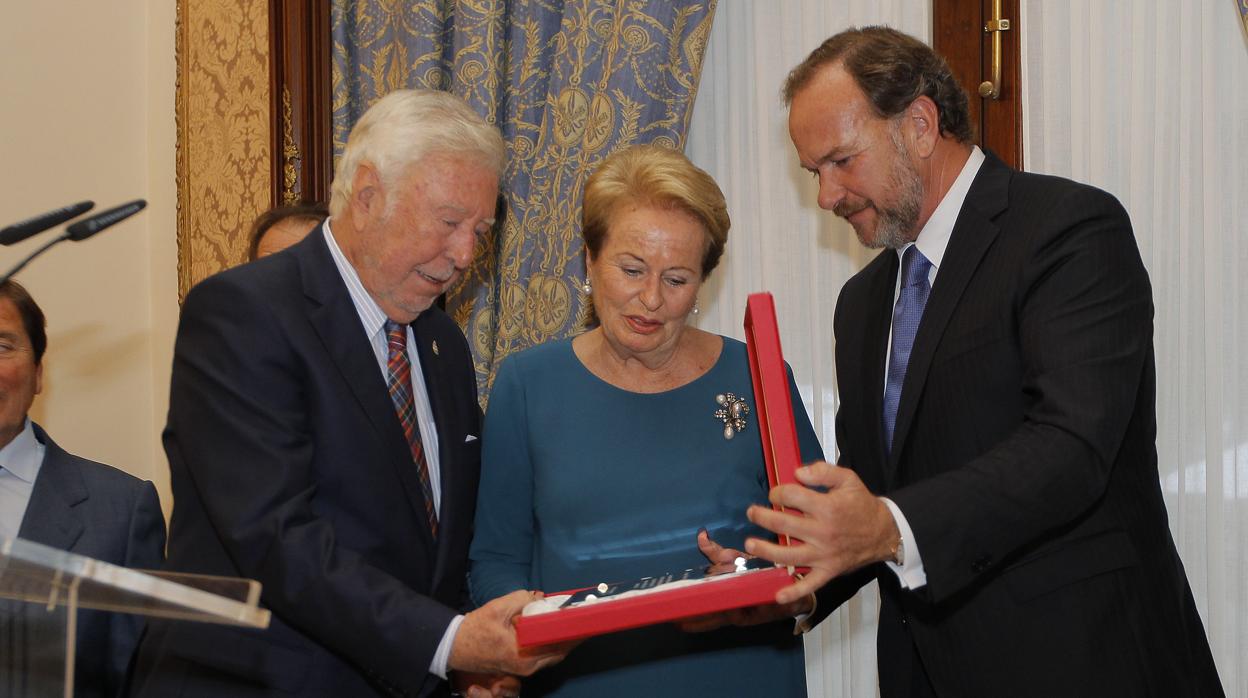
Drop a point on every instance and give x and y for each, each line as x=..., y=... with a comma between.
x=300, y=105
x=960, y=34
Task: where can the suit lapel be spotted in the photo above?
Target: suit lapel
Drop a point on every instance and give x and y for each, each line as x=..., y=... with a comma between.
x=878, y=322
x=51, y=517
x=441, y=406
x=973, y=233
x=335, y=320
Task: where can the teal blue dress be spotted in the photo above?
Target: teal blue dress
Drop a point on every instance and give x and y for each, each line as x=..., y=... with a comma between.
x=582, y=483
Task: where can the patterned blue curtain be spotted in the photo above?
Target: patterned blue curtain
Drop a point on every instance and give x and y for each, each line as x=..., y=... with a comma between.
x=567, y=83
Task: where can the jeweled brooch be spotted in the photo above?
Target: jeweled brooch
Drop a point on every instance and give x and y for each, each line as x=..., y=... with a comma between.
x=732, y=413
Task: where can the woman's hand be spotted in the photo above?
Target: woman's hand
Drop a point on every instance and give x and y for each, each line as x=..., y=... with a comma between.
x=723, y=560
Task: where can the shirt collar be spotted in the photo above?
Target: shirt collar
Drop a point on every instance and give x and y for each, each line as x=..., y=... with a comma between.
x=23, y=455
x=371, y=315
x=934, y=237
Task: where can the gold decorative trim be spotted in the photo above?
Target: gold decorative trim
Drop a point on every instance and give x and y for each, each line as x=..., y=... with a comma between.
x=179, y=149
x=290, y=152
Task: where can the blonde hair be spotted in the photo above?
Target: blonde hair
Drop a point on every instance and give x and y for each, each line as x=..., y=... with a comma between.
x=407, y=125
x=657, y=176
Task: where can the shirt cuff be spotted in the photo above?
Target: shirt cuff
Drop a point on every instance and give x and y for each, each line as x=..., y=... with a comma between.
x=911, y=574
x=440, y=658
x=801, y=622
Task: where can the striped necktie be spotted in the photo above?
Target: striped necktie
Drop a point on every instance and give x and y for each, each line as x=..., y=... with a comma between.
x=399, y=381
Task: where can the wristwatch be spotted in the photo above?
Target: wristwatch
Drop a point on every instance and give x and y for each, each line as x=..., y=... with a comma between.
x=899, y=552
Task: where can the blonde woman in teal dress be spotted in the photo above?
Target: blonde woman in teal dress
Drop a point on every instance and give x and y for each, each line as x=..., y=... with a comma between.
x=603, y=459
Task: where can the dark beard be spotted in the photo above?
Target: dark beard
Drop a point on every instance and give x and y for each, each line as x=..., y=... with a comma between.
x=896, y=225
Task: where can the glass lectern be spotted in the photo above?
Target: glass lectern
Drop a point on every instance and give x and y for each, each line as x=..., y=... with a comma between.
x=42, y=588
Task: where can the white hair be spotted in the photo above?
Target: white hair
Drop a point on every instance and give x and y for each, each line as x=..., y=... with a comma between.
x=406, y=126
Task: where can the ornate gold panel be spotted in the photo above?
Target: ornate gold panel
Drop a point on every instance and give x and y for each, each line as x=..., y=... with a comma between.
x=223, y=156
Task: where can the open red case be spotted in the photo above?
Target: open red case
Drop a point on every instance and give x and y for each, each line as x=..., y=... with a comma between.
x=753, y=587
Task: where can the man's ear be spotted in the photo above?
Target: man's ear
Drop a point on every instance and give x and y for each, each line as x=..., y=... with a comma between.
x=367, y=193
x=922, y=126
x=39, y=378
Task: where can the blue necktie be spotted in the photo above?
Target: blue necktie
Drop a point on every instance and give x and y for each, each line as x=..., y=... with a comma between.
x=906, y=316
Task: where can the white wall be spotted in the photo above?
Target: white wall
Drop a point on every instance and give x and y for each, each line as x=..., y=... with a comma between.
x=88, y=113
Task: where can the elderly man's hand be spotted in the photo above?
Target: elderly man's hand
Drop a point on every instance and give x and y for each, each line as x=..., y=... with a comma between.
x=486, y=641
x=843, y=529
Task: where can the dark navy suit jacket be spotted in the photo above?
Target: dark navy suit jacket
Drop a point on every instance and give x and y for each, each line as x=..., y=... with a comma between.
x=289, y=466
x=92, y=509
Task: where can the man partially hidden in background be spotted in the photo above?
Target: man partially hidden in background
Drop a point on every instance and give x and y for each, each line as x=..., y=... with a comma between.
x=55, y=498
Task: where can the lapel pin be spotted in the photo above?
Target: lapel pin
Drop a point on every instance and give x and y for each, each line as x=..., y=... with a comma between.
x=435, y=347
x=732, y=413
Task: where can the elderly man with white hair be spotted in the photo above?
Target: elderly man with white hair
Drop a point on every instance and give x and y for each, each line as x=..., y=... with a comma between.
x=323, y=436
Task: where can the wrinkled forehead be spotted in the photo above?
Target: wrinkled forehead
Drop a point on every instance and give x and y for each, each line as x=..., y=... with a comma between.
x=453, y=182
x=831, y=95
x=824, y=124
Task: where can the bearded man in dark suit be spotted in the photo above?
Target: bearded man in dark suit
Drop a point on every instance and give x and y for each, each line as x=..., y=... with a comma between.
x=998, y=468
x=323, y=435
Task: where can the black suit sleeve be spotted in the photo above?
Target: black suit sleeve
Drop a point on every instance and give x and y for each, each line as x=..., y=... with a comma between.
x=1083, y=323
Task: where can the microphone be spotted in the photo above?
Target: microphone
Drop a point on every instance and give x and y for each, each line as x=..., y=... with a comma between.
x=82, y=230
x=87, y=227
x=37, y=224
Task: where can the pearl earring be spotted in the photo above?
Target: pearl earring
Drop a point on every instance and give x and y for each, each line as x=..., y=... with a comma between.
x=696, y=309
x=586, y=287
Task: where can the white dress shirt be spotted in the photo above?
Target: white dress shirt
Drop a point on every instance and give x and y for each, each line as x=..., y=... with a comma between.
x=20, y=461
x=373, y=322
x=932, y=241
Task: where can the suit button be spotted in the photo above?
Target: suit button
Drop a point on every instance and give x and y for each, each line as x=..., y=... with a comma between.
x=981, y=564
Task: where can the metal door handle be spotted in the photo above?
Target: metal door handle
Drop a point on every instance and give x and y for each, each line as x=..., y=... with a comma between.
x=991, y=89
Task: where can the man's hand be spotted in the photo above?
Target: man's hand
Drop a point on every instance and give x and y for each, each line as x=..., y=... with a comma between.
x=844, y=529
x=486, y=641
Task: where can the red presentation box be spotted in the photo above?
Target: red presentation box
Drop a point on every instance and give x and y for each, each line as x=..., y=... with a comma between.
x=754, y=587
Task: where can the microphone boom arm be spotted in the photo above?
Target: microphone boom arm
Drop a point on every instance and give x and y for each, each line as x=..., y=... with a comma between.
x=22, y=265
x=84, y=229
